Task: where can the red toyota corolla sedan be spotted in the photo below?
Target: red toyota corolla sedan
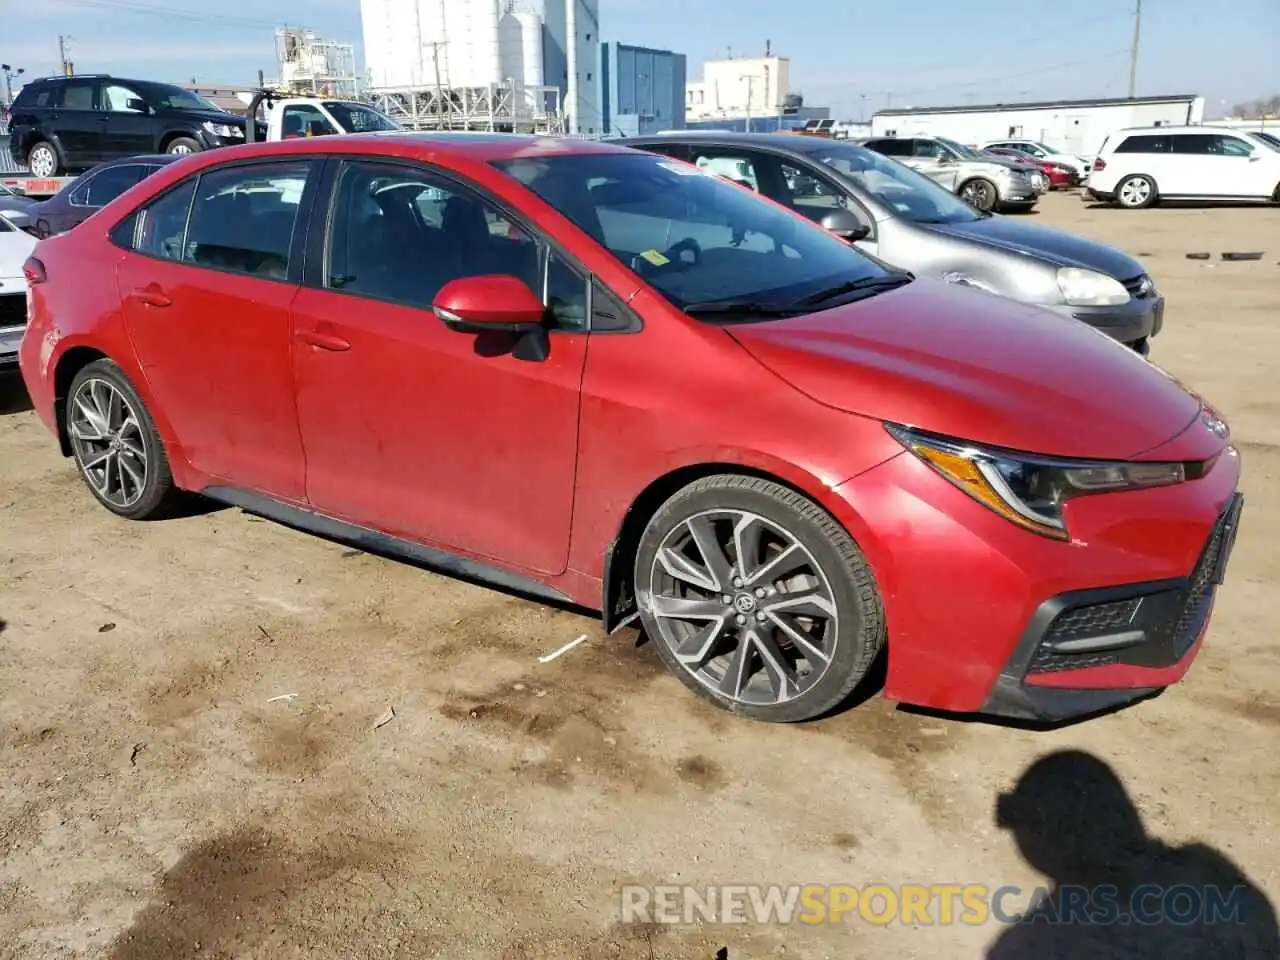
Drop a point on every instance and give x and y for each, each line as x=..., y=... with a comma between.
x=598, y=375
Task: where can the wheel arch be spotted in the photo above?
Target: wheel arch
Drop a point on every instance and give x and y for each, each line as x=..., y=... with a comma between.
x=618, y=601
x=64, y=372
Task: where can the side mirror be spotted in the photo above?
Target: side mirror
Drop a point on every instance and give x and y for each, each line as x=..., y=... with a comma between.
x=140, y=106
x=497, y=303
x=845, y=225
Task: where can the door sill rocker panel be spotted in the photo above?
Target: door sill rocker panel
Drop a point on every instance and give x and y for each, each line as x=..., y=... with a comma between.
x=382, y=544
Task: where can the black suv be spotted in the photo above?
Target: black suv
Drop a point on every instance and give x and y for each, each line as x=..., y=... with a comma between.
x=68, y=124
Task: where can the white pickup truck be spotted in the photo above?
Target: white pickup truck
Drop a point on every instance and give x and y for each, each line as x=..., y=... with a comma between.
x=290, y=118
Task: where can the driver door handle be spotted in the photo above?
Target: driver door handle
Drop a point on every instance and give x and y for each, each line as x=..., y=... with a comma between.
x=325, y=341
x=151, y=295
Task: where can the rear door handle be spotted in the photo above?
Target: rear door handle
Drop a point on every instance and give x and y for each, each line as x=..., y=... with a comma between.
x=152, y=296
x=325, y=341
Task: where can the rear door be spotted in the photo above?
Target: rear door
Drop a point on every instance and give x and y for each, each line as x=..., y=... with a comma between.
x=208, y=286
x=79, y=122
x=130, y=131
x=1220, y=165
x=1151, y=155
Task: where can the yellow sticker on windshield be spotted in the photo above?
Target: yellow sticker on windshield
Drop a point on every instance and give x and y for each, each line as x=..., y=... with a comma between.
x=654, y=257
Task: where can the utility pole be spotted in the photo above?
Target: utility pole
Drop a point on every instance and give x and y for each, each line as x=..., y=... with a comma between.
x=62, y=56
x=1133, y=54
x=750, y=87
x=435, y=60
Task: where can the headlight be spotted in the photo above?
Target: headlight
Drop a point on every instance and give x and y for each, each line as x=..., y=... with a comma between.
x=222, y=129
x=1027, y=490
x=1088, y=288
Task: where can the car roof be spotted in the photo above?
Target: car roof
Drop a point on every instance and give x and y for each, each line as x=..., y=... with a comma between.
x=1200, y=128
x=772, y=141
x=483, y=147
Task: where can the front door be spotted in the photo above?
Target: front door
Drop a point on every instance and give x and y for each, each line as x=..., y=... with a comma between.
x=130, y=131
x=80, y=123
x=210, y=319
x=416, y=430
x=935, y=161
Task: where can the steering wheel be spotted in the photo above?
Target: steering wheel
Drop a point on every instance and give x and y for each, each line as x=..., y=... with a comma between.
x=675, y=253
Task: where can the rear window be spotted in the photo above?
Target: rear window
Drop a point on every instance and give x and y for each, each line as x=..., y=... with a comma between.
x=890, y=148
x=35, y=95
x=1146, y=143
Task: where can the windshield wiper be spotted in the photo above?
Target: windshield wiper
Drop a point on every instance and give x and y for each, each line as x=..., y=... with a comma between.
x=874, y=284
x=738, y=306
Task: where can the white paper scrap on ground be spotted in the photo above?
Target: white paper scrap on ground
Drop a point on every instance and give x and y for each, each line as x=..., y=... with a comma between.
x=563, y=650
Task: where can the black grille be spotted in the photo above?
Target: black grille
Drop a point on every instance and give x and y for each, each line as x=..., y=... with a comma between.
x=1139, y=287
x=1170, y=620
x=13, y=310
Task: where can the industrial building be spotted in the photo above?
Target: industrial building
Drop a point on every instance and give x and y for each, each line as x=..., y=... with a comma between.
x=739, y=89
x=642, y=90
x=485, y=64
x=1074, y=126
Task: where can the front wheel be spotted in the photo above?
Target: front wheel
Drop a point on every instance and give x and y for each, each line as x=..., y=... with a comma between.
x=181, y=146
x=980, y=194
x=757, y=599
x=116, y=445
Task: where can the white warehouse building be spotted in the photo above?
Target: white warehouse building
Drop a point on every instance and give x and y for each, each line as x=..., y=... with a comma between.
x=1072, y=126
x=471, y=48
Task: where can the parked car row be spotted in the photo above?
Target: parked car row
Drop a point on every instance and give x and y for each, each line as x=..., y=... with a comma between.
x=684, y=404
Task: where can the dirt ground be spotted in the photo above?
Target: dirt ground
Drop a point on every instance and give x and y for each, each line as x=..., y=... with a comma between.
x=161, y=797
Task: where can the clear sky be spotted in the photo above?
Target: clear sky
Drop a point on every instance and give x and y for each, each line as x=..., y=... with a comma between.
x=908, y=52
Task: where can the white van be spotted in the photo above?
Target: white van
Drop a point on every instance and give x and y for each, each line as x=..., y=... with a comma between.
x=737, y=170
x=1138, y=167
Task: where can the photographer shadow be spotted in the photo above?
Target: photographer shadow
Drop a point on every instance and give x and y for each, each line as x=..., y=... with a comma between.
x=1116, y=890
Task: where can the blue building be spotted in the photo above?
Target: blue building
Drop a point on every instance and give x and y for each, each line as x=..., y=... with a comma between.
x=641, y=90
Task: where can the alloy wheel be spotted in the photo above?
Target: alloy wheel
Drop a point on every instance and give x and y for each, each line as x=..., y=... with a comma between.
x=180, y=150
x=106, y=438
x=42, y=161
x=744, y=607
x=1135, y=192
x=977, y=194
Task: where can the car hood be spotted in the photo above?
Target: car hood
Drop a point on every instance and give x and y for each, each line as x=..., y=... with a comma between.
x=1055, y=247
x=973, y=365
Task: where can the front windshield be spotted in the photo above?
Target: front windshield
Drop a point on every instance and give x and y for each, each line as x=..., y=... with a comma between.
x=967, y=152
x=912, y=195
x=357, y=118
x=168, y=97
x=692, y=236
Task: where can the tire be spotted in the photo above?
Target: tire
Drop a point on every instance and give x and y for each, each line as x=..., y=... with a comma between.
x=131, y=452
x=701, y=633
x=980, y=194
x=43, y=160
x=183, y=145
x=1136, y=192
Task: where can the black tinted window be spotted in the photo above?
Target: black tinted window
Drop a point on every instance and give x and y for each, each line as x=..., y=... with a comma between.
x=807, y=193
x=243, y=218
x=77, y=95
x=163, y=223
x=400, y=234
x=566, y=295
x=1210, y=144
x=1145, y=144
x=105, y=186
x=891, y=148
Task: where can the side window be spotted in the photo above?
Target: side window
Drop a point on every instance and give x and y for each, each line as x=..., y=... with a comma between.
x=46, y=97
x=1233, y=147
x=730, y=166
x=608, y=315
x=400, y=234
x=116, y=98
x=892, y=148
x=809, y=194
x=1145, y=144
x=565, y=295
x=927, y=150
x=304, y=121
x=243, y=218
x=162, y=224
x=108, y=184
x=676, y=151
x=78, y=95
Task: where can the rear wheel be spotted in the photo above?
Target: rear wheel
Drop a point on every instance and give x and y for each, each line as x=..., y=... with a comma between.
x=1136, y=192
x=181, y=146
x=42, y=160
x=757, y=599
x=980, y=194
x=115, y=444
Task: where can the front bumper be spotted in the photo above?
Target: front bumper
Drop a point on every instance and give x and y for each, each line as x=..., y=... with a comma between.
x=970, y=600
x=1132, y=323
x=1094, y=650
